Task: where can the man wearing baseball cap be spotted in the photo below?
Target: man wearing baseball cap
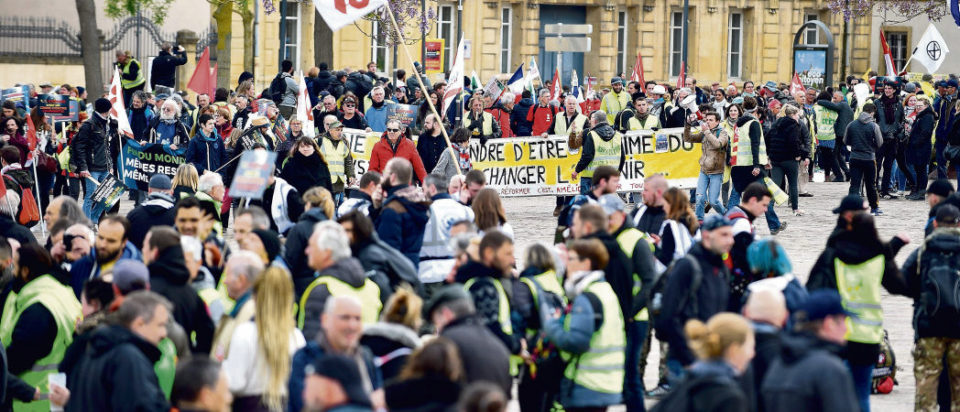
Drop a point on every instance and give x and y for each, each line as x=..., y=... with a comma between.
x=615, y=101
x=849, y=206
x=810, y=376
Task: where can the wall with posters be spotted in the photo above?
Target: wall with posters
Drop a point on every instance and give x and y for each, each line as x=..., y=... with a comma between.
x=532, y=166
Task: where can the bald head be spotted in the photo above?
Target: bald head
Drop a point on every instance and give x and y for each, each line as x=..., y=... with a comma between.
x=767, y=306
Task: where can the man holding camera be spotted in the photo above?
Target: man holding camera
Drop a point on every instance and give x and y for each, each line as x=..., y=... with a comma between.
x=164, y=69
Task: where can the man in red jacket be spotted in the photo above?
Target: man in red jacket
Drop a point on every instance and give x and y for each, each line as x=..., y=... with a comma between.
x=542, y=114
x=501, y=112
x=395, y=145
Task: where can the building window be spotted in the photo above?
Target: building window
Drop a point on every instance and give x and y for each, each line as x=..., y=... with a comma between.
x=811, y=33
x=735, y=45
x=622, y=41
x=445, y=27
x=676, y=43
x=378, y=49
x=897, y=40
x=506, y=39
x=291, y=41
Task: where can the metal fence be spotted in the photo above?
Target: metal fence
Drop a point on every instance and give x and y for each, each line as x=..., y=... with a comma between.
x=50, y=38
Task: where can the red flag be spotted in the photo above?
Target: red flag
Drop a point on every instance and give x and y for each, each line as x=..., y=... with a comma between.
x=200, y=80
x=796, y=86
x=682, y=78
x=637, y=75
x=887, y=56
x=3, y=188
x=213, y=79
x=31, y=136
x=555, y=88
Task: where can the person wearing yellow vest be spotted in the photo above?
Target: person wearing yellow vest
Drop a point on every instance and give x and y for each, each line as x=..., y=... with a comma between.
x=642, y=120
x=639, y=250
x=615, y=101
x=571, y=120
x=339, y=159
x=590, y=335
x=39, y=315
x=131, y=74
x=825, y=132
x=487, y=282
x=337, y=274
x=748, y=158
x=856, y=264
x=240, y=272
x=602, y=146
x=121, y=356
x=481, y=124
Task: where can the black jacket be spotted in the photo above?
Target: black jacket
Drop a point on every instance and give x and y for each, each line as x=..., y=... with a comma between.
x=11, y=229
x=33, y=335
x=376, y=255
x=430, y=149
x=711, y=297
x=165, y=68
x=336, y=87
x=890, y=126
x=605, y=132
x=484, y=356
x=90, y=149
x=808, y=376
x=518, y=118
x=618, y=273
x=944, y=243
x=486, y=300
x=425, y=394
x=114, y=372
x=169, y=277
x=644, y=266
x=713, y=389
x=767, y=350
x=12, y=387
x=305, y=172
x=784, y=142
x=156, y=211
x=324, y=77
x=852, y=250
x=920, y=143
x=294, y=255
x=844, y=116
x=388, y=341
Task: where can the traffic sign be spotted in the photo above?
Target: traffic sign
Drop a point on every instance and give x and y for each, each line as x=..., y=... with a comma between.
x=566, y=44
x=568, y=29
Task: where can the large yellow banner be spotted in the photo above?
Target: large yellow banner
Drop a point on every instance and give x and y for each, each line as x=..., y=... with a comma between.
x=533, y=166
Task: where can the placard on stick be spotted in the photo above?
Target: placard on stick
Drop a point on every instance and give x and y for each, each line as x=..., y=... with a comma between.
x=253, y=174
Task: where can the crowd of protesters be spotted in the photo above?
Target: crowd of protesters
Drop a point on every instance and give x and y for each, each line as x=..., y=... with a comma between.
x=322, y=294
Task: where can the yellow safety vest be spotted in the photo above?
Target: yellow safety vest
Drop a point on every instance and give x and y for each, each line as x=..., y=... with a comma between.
x=605, y=153
x=649, y=124
x=600, y=369
x=614, y=103
x=65, y=309
x=740, y=147
x=561, y=126
x=859, y=286
x=369, y=295
x=335, y=157
x=128, y=84
x=628, y=239
x=503, y=316
x=548, y=281
x=825, y=120
x=487, y=123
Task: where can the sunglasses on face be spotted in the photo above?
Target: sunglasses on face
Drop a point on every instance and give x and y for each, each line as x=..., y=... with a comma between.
x=350, y=106
x=393, y=130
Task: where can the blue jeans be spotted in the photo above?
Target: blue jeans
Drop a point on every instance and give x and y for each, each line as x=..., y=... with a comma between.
x=734, y=199
x=708, y=189
x=862, y=380
x=88, y=187
x=632, y=381
x=337, y=199
x=586, y=183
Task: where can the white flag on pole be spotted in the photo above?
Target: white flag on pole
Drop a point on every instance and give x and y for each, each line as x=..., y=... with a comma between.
x=533, y=73
x=339, y=13
x=455, y=85
x=304, y=110
x=117, y=109
x=931, y=51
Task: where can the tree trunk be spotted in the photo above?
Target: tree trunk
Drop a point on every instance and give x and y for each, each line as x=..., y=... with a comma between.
x=90, y=48
x=247, y=18
x=224, y=20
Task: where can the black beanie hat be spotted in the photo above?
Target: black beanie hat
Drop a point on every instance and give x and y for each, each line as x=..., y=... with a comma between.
x=271, y=242
x=102, y=105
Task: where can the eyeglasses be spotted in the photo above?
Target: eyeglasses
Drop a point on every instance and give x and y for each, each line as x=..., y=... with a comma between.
x=350, y=106
x=393, y=130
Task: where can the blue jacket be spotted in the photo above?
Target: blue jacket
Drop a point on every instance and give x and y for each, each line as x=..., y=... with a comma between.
x=88, y=268
x=402, y=221
x=518, y=118
x=140, y=121
x=946, y=114
x=377, y=118
x=207, y=153
x=307, y=356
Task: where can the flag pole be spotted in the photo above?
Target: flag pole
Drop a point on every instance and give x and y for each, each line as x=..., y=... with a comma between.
x=36, y=182
x=433, y=109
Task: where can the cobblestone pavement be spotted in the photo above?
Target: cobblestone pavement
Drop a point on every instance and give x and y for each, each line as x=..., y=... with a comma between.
x=803, y=239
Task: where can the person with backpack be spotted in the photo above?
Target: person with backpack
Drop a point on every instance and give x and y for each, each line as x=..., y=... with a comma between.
x=856, y=266
x=753, y=203
x=20, y=180
x=694, y=287
x=810, y=375
x=283, y=89
x=724, y=346
x=590, y=335
x=929, y=270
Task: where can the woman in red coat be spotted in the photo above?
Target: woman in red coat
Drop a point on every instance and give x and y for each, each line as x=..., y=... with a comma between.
x=395, y=145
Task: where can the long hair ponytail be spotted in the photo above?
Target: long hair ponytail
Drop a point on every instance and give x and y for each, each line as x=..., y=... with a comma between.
x=273, y=291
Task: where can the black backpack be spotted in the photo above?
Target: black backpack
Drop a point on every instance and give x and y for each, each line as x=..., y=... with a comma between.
x=683, y=397
x=655, y=299
x=939, y=284
x=278, y=86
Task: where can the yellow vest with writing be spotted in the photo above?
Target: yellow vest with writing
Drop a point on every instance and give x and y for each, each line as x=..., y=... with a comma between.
x=605, y=153
x=859, y=286
x=741, y=147
x=335, y=157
